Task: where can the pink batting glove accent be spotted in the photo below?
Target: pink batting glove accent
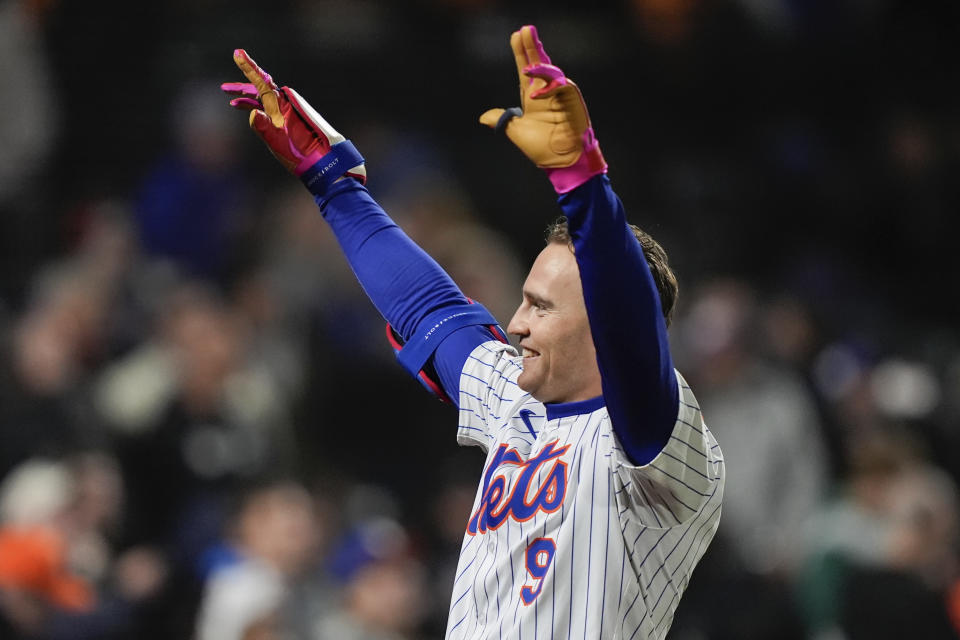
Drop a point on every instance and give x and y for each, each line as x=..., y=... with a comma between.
x=553, y=75
x=544, y=58
x=294, y=132
x=247, y=99
x=307, y=161
x=266, y=77
x=278, y=140
x=246, y=104
x=239, y=89
x=589, y=164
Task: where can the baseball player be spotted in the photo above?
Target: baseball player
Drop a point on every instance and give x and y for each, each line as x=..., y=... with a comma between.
x=602, y=484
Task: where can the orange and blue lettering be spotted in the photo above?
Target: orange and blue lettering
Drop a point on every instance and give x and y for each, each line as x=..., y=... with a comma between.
x=496, y=507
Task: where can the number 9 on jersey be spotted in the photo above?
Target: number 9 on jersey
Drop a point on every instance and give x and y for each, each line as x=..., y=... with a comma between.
x=539, y=556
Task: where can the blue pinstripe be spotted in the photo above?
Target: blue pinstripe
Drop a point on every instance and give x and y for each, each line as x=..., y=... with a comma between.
x=593, y=487
x=488, y=387
x=677, y=596
x=623, y=622
x=669, y=581
x=476, y=359
x=690, y=446
x=553, y=587
x=661, y=497
x=684, y=463
x=606, y=552
x=458, y=622
x=665, y=503
x=682, y=421
x=649, y=502
x=678, y=480
x=573, y=538
x=573, y=549
x=680, y=502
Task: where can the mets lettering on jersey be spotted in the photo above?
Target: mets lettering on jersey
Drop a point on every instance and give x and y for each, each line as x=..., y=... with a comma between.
x=567, y=539
x=496, y=505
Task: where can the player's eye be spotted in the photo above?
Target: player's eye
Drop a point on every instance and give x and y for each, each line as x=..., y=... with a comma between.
x=539, y=305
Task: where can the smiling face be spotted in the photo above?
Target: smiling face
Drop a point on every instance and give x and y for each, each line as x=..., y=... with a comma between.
x=559, y=359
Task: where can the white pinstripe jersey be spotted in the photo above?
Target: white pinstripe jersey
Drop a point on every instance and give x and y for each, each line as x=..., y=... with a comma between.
x=567, y=539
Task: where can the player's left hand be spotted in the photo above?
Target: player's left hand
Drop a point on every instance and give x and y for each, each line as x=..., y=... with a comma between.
x=553, y=127
x=294, y=132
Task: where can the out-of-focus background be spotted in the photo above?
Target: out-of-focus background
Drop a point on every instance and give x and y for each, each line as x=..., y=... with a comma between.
x=203, y=432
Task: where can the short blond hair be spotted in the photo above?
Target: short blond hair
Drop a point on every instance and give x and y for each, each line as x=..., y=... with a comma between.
x=663, y=276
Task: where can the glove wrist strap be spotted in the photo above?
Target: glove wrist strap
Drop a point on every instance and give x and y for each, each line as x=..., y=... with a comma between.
x=589, y=164
x=342, y=157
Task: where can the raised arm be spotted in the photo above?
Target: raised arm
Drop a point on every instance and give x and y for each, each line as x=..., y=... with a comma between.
x=418, y=299
x=553, y=129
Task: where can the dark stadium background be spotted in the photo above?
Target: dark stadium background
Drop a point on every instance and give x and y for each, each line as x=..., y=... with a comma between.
x=806, y=150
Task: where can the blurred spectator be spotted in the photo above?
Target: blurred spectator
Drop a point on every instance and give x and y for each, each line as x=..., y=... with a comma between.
x=28, y=131
x=767, y=131
x=60, y=578
x=310, y=283
x=765, y=418
x=443, y=222
x=383, y=585
x=190, y=207
x=273, y=540
x=34, y=571
x=44, y=408
x=193, y=415
x=882, y=555
x=102, y=244
x=450, y=510
x=274, y=344
x=767, y=422
x=30, y=123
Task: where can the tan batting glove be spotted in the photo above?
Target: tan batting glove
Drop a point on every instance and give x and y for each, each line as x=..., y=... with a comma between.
x=553, y=127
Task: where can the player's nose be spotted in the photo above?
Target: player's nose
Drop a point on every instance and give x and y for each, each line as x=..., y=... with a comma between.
x=518, y=326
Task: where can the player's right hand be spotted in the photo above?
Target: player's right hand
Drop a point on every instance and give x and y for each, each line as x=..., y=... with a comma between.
x=552, y=127
x=294, y=132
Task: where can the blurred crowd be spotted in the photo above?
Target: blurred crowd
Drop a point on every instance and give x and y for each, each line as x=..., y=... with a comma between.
x=203, y=432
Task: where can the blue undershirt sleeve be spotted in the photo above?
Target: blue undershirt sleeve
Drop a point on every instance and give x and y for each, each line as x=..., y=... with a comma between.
x=629, y=331
x=404, y=283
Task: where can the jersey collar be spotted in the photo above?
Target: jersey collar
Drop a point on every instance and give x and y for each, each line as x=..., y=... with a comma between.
x=557, y=410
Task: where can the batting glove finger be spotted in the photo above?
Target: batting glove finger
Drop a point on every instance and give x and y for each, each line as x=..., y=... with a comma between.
x=245, y=89
x=246, y=93
x=304, y=143
x=551, y=75
x=553, y=126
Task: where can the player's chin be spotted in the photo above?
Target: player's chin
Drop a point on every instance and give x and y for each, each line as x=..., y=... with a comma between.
x=528, y=380
x=524, y=380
